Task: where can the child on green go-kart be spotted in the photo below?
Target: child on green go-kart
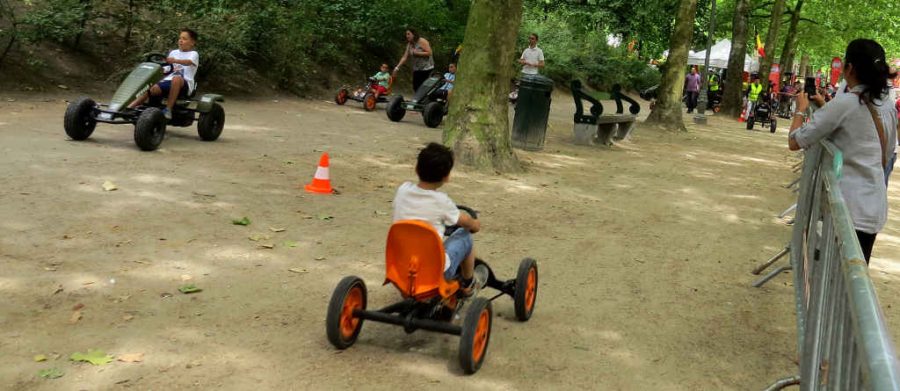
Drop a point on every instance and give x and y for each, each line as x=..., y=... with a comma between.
x=423, y=202
x=180, y=82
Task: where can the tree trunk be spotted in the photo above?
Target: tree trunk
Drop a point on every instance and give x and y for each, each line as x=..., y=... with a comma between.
x=790, y=42
x=765, y=64
x=130, y=23
x=804, y=64
x=732, y=103
x=667, y=112
x=86, y=7
x=478, y=126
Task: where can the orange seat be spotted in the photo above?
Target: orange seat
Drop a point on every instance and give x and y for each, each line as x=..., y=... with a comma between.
x=415, y=261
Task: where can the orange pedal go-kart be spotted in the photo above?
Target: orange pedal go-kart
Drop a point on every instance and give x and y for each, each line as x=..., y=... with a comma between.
x=365, y=94
x=415, y=266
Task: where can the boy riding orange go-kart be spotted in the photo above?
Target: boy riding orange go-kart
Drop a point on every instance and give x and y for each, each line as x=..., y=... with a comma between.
x=437, y=277
x=377, y=89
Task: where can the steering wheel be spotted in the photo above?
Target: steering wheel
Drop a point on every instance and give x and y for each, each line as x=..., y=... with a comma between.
x=472, y=212
x=156, y=58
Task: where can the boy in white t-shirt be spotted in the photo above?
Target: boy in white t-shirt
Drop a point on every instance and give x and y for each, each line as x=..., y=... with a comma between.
x=423, y=202
x=532, y=57
x=179, y=83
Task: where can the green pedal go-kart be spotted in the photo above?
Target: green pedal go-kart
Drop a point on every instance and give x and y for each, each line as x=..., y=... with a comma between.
x=148, y=119
x=428, y=100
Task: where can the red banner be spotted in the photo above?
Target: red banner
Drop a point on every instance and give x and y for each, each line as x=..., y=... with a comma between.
x=836, y=67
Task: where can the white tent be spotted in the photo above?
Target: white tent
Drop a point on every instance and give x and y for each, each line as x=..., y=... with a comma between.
x=718, y=57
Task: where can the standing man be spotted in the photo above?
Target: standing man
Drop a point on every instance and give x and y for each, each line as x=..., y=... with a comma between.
x=713, y=94
x=533, y=57
x=753, y=92
x=692, y=88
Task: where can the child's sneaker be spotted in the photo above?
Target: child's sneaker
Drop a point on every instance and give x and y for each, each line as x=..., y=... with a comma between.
x=167, y=114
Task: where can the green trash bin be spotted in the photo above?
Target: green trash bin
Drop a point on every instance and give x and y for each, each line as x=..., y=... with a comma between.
x=532, y=111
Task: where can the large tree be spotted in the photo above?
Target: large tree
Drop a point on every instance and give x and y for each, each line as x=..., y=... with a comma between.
x=478, y=126
x=732, y=104
x=765, y=63
x=790, y=41
x=667, y=112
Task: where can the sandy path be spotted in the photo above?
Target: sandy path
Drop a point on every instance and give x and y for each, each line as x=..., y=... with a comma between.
x=644, y=252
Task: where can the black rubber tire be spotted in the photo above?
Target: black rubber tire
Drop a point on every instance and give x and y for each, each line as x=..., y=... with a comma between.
x=79, y=120
x=341, y=96
x=370, y=103
x=336, y=307
x=520, y=301
x=773, y=126
x=210, y=125
x=467, y=340
x=750, y=122
x=395, y=110
x=433, y=114
x=150, y=129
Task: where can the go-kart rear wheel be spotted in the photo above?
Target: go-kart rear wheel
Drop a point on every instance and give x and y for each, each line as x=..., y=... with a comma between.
x=476, y=333
x=210, y=125
x=750, y=122
x=341, y=96
x=370, y=102
x=773, y=126
x=526, y=289
x=433, y=114
x=79, y=120
x=395, y=110
x=150, y=129
x=340, y=324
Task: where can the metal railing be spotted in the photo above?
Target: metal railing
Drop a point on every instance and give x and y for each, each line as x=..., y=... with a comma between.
x=843, y=343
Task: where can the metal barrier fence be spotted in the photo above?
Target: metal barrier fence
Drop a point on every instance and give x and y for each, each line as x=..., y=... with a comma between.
x=843, y=343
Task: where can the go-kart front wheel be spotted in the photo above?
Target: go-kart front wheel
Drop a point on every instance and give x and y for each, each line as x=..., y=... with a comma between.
x=370, y=102
x=773, y=126
x=395, y=110
x=526, y=289
x=79, y=120
x=150, y=129
x=750, y=123
x=210, y=125
x=433, y=114
x=476, y=333
x=340, y=324
x=341, y=96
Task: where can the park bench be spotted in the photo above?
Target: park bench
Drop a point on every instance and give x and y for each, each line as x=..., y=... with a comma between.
x=595, y=127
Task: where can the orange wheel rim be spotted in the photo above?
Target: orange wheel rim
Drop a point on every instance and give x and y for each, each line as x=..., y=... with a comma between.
x=530, y=289
x=481, y=335
x=342, y=96
x=348, y=321
x=370, y=103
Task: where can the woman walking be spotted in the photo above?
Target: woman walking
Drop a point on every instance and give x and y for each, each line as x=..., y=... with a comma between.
x=422, y=61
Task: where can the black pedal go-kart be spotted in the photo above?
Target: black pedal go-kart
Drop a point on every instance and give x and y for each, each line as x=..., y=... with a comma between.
x=428, y=100
x=365, y=94
x=763, y=114
x=148, y=119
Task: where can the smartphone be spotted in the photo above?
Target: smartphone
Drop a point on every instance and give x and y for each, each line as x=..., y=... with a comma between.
x=810, y=86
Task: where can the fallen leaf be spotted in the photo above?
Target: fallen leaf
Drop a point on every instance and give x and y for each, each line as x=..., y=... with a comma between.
x=297, y=270
x=185, y=277
x=273, y=229
x=258, y=237
x=62, y=86
x=131, y=357
x=58, y=289
x=88, y=283
x=49, y=268
x=96, y=357
x=267, y=246
x=243, y=221
x=40, y=358
x=76, y=316
x=380, y=213
x=77, y=307
x=320, y=258
x=51, y=373
x=289, y=244
x=326, y=217
x=109, y=186
x=189, y=288
x=127, y=317
x=165, y=295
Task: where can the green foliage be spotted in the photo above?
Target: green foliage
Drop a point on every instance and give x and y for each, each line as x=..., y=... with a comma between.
x=54, y=20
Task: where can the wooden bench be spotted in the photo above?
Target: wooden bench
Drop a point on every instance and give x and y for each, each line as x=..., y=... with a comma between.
x=597, y=128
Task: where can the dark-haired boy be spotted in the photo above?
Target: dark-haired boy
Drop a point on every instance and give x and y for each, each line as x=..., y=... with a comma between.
x=423, y=202
x=180, y=83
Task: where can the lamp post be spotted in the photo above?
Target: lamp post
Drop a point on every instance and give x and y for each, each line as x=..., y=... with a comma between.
x=700, y=117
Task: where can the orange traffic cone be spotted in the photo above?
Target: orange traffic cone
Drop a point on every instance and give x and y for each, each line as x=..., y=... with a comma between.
x=321, y=183
x=743, y=114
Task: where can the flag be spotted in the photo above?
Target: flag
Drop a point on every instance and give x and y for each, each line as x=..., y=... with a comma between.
x=759, y=47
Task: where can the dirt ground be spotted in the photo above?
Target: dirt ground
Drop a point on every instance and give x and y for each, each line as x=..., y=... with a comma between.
x=645, y=251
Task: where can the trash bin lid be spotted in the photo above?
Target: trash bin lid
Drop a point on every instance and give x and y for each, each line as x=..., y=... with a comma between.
x=536, y=82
